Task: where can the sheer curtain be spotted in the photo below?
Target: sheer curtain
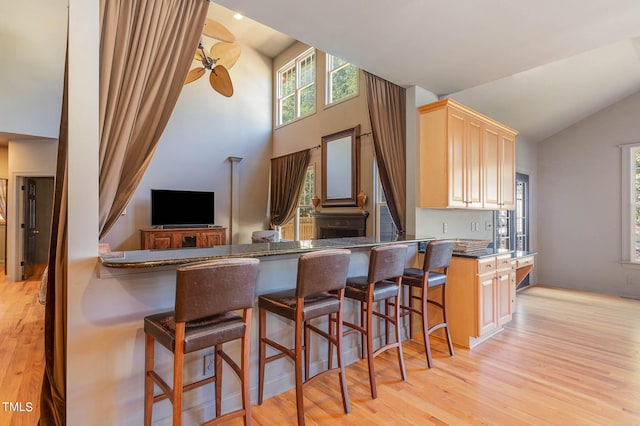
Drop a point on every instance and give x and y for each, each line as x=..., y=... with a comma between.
x=146, y=50
x=287, y=178
x=387, y=112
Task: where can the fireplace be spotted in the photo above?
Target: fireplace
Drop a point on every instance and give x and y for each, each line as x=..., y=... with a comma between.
x=339, y=225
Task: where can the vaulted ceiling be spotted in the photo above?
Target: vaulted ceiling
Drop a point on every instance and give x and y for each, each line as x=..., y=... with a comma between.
x=536, y=66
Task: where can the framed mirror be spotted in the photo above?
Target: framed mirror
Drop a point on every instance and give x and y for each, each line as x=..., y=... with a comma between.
x=341, y=168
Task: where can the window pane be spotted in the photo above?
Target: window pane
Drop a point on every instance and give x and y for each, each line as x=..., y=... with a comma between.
x=344, y=82
x=307, y=100
x=307, y=70
x=287, y=109
x=287, y=82
x=335, y=62
x=308, y=189
x=637, y=234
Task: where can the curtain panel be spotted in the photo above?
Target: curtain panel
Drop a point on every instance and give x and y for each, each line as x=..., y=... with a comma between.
x=146, y=49
x=387, y=112
x=54, y=384
x=287, y=179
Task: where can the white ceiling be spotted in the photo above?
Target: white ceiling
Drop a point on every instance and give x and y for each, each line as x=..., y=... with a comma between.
x=536, y=66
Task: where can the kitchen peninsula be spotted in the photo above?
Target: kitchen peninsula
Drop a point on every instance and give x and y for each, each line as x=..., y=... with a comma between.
x=134, y=284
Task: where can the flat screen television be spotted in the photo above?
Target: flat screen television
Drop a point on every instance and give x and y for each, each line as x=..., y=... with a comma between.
x=176, y=208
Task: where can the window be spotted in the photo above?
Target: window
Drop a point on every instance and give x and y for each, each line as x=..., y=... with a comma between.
x=342, y=79
x=302, y=226
x=384, y=222
x=631, y=203
x=297, y=88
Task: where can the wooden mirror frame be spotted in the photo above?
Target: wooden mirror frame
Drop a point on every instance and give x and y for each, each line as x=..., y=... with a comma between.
x=335, y=168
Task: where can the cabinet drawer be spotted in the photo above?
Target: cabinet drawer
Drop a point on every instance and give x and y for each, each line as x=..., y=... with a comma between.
x=486, y=265
x=503, y=262
x=524, y=261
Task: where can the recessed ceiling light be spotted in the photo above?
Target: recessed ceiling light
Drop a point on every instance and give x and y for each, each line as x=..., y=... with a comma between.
x=238, y=16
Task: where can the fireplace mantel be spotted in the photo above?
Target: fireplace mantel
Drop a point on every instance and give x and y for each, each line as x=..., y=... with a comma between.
x=340, y=224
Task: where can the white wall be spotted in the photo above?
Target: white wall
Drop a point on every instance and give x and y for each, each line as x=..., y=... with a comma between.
x=32, y=46
x=25, y=158
x=204, y=130
x=579, y=203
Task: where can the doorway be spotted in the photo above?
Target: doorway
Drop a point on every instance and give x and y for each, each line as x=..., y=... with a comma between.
x=37, y=211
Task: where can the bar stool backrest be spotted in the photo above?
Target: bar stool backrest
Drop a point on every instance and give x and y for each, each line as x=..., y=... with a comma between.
x=438, y=255
x=324, y=270
x=387, y=262
x=213, y=287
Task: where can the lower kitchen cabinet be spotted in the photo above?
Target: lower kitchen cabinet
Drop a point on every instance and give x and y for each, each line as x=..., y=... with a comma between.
x=480, y=297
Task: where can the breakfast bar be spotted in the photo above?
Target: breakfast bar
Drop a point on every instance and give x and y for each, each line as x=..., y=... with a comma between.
x=148, y=276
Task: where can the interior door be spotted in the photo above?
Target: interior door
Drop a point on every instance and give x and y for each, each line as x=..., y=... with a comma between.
x=30, y=230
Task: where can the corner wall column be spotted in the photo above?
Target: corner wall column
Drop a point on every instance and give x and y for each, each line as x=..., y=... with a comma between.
x=235, y=197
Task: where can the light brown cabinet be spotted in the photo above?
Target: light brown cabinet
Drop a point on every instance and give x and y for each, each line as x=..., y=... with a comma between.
x=467, y=160
x=480, y=297
x=155, y=239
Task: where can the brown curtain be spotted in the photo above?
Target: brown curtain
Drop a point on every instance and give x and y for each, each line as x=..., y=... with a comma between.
x=287, y=178
x=387, y=112
x=54, y=385
x=146, y=49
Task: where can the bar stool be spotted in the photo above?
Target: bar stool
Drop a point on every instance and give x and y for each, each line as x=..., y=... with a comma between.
x=382, y=283
x=319, y=291
x=433, y=274
x=206, y=294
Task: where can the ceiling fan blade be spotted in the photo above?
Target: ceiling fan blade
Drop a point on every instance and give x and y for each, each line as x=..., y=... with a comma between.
x=218, y=31
x=194, y=74
x=198, y=56
x=220, y=81
x=226, y=53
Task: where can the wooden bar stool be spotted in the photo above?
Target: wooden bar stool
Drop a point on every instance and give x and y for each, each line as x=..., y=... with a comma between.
x=433, y=274
x=207, y=293
x=382, y=284
x=319, y=291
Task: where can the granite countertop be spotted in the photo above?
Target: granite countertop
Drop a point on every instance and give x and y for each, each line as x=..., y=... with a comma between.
x=151, y=258
x=494, y=252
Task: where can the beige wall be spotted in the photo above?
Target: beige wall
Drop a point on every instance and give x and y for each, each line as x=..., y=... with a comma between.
x=308, y=131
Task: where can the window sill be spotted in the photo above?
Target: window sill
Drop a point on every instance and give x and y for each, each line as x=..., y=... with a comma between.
x=627, y=264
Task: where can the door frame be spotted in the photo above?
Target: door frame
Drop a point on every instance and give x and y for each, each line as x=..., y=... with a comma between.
x=15, y=210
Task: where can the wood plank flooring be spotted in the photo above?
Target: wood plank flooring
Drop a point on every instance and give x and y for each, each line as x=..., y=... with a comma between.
x=21, y=352
x=567, y=358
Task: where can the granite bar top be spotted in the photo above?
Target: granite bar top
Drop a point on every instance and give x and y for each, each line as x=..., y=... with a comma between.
x=151, y=258
x=494, y=252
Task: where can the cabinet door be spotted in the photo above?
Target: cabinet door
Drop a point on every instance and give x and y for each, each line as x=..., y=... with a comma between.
x=158, y=241
x=508, y=172
x=211, y=238
x=487, y=303
x=504, y=296
x=474, y=163
x=457, y=159
x=490, y=157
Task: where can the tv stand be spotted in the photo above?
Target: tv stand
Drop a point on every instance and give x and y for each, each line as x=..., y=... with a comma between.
x=168, y=238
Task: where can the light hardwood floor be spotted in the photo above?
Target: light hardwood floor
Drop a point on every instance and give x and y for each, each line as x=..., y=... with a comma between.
x=21, y=352
x=567, y=358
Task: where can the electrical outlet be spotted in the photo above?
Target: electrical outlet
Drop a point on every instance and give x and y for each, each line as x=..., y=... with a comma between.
x=208, y=365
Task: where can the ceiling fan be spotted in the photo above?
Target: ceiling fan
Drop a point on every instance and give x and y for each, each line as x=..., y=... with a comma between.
x=222, y=56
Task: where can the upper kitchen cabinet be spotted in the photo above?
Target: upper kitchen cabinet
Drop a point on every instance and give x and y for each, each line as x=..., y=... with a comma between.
x=467, y=160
